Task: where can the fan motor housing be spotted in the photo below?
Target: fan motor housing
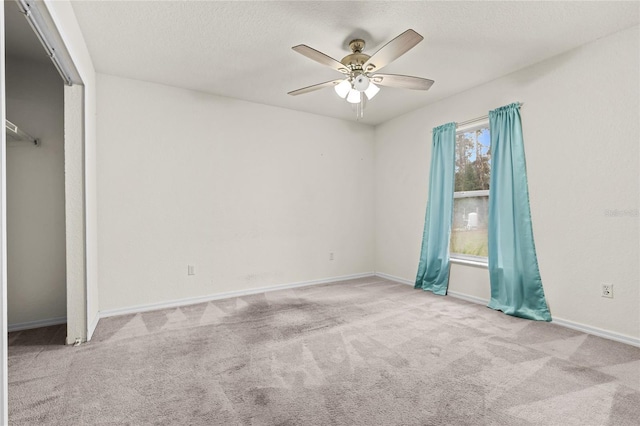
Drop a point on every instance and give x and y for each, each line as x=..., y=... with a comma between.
x=354, y=61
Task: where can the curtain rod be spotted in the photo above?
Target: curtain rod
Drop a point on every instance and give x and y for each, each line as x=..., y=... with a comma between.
x=474, y=120
x=484, y=117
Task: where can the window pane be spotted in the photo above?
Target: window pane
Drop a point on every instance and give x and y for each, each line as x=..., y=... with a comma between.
x=469, y=231
x=470, y=211
x=473, y=160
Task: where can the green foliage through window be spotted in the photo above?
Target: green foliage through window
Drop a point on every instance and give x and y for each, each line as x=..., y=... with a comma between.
x=471, y=198
x=473, y=160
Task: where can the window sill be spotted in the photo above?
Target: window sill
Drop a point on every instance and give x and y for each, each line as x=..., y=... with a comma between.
x=468, y=262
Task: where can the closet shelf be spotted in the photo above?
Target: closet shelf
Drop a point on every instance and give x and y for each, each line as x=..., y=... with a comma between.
x=18, y=135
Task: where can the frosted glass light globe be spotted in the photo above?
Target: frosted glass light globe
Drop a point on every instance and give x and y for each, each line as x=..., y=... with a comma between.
x=343, y=88
x=361, y=83
x=354, y=97
x=371, y=91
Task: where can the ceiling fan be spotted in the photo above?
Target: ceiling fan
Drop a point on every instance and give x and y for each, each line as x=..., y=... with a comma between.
x=361, y=77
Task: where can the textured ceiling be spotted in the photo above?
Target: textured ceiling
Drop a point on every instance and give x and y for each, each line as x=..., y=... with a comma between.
x=243, y=49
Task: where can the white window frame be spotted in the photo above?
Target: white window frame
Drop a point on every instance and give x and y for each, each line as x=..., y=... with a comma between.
x=468, y=259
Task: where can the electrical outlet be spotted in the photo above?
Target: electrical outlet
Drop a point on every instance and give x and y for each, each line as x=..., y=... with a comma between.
x=330, y=255
x=191, y=269
x=607, y=290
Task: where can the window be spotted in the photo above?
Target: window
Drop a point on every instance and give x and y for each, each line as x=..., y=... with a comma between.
x=471, y=197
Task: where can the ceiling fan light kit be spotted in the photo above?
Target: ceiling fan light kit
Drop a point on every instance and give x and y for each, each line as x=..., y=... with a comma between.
x=343, y=88
x=354, y=96
x=361, y=69
x=371, y=91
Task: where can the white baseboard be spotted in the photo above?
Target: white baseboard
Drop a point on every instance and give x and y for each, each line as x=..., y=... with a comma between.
x=36, y=324
x=394, y=278
x=207, y=298
x=634, y=341
x=468, y=298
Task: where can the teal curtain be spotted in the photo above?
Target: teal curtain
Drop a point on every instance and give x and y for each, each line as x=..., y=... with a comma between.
x=516, y=286
x=433, y=269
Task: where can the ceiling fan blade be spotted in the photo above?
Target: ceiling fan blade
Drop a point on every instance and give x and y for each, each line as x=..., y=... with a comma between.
x=392, y=50
x=320, y=57
x=314, y=87
x=402, y=81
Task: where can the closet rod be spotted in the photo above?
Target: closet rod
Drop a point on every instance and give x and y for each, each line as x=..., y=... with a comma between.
x=19, y=134
x=38, y=25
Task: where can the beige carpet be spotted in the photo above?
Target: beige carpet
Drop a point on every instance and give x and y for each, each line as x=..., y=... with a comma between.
x=361, y=352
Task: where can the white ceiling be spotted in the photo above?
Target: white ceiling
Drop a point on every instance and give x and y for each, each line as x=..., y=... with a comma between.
x=243, y=49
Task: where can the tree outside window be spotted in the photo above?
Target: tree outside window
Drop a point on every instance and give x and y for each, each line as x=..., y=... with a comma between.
x=471, y=196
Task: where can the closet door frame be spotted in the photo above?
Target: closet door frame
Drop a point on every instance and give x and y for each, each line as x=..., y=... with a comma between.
x=4, y=411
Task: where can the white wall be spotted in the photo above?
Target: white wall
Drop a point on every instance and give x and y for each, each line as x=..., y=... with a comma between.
x=580, y=120
x=252, y=195
x=36, y=289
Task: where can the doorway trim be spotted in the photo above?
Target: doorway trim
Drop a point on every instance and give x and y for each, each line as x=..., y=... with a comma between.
x=4, y=403
x=75, y=215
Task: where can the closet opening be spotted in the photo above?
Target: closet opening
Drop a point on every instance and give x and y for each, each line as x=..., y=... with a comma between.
x=45, y=247
x=35, y=185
